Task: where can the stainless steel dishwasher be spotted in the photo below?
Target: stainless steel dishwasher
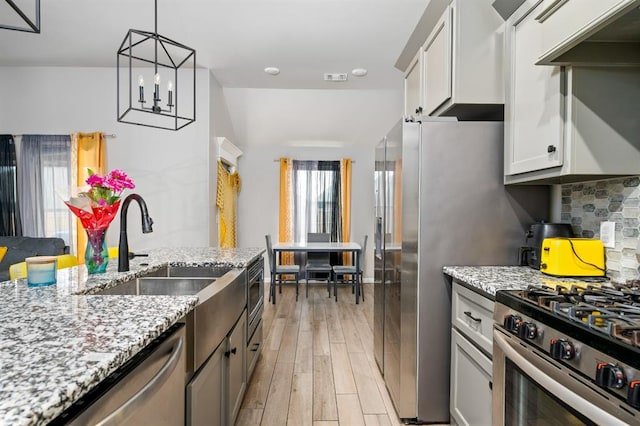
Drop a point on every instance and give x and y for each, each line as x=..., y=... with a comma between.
x=148, y=389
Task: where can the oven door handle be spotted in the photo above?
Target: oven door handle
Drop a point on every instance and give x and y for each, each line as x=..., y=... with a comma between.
x=581, y=405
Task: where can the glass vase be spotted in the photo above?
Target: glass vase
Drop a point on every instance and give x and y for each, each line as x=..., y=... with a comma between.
x=96, y=256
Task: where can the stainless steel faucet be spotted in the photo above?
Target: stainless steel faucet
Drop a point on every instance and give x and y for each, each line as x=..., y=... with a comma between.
x=123, y=247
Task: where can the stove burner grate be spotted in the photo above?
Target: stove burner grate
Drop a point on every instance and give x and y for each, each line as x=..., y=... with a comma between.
x=613, y=311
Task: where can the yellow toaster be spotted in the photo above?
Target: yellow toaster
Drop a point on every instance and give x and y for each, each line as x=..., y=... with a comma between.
x=572, y=257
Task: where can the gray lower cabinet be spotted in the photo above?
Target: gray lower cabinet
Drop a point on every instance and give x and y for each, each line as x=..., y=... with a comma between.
x=470, y=383
x=237, y=356
x=471, y=365
x=205, y=391
x=215, y=393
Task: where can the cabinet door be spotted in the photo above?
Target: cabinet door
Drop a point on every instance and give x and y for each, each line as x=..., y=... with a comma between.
x=534, y=104
x=437, y=59
x=236, y=353
x=565, y=23
x=412, y=84
x=470, y=383
x=204, y=392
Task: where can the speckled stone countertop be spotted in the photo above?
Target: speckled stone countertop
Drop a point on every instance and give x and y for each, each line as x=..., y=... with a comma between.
x=490, y=279
x=58, y=342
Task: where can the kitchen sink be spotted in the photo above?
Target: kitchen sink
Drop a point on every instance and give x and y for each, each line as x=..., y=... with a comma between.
x=196, y=271
x=221, y=293
x=169, y=280
x=157, y=286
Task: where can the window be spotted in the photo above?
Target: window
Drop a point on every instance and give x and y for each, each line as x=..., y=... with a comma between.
x=316, y=199
x=315, y=196
x=45, y=175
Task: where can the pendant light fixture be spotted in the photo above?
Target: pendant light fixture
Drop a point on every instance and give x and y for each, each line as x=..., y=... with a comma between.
x=146, y=57
x=15, y=18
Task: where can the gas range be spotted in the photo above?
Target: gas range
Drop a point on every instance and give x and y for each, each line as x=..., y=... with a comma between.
x=594, y=329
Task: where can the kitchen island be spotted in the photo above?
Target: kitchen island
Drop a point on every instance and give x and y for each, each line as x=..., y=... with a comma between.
x=58, y=342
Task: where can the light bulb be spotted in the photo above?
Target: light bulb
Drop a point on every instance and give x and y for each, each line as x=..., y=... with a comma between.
x=170, y=86
x=140, y=80
x=156, y=79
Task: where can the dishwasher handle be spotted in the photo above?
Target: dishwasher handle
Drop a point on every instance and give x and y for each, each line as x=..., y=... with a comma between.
x=118, y=416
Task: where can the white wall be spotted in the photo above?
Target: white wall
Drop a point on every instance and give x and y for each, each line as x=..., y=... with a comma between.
x=170, y=169
x=307, y=125
x=220, y=126
x=175, y=171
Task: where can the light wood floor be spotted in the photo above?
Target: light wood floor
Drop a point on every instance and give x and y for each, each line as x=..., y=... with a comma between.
x=317, y=365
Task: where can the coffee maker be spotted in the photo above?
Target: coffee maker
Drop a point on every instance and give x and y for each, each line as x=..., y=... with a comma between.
x=530, y=252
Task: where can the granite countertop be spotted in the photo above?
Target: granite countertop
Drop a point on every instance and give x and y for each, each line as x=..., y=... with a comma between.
x=58, y=342
x=490, y=279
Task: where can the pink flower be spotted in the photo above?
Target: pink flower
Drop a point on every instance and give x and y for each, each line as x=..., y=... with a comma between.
x=95, y=180
x=106, y=190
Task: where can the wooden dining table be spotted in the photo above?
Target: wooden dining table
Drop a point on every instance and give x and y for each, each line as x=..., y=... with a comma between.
x=332, y=247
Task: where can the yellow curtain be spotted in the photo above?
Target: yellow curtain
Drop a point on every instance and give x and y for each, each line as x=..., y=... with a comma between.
x=285, y=229
x=227, y=201
x=345, y=204
x=90, y=151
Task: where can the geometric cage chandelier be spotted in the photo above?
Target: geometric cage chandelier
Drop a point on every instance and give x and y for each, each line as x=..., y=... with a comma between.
x=13, y=17
x=156, y=82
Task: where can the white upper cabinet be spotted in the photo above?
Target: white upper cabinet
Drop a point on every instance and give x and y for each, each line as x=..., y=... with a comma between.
x=437, y=60
x=565, y=123
x=535, y=105
x=461, y=65
x=412, y=87
x=565, y=23
x=463, y=62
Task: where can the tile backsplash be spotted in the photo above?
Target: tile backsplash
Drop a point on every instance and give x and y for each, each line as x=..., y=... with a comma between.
x=586, y=204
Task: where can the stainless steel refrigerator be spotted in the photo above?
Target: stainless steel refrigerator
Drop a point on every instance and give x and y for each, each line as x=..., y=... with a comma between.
x=440, y=200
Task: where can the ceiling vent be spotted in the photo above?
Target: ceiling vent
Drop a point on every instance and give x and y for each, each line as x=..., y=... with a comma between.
x=335, y=77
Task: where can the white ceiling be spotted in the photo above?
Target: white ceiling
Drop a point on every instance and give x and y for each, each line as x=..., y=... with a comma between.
x=236, y=39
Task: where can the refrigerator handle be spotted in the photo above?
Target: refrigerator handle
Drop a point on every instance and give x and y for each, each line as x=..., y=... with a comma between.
x=378, y=238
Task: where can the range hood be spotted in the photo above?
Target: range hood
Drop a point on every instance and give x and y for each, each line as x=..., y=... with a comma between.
x=614, y=41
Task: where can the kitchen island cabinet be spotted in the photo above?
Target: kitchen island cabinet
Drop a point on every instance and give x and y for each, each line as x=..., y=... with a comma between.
x=63, y=340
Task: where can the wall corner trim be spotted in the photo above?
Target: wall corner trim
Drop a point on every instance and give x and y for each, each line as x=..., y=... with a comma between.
x=228, y=153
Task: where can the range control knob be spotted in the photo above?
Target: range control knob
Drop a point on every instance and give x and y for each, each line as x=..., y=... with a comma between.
x=512, y=322
x=633, y=395
x=561, y=349
x=527, y=330
x=609, y=376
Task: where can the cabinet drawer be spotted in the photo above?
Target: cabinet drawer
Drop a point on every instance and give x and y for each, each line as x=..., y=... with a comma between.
x=472, y=314
x=567, y=22
x=254, y=347
x=470, y=383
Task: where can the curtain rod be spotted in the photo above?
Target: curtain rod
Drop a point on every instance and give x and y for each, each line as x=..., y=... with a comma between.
x=112, y=135
x=277, y=160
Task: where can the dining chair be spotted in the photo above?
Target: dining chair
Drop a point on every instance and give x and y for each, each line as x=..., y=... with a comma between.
x=318, y=262
x=354, y=273
x=19, y=270
x=279, y=273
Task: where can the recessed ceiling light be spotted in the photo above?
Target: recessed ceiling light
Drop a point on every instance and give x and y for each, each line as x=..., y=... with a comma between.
x=272, y=70
x=359, y=72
